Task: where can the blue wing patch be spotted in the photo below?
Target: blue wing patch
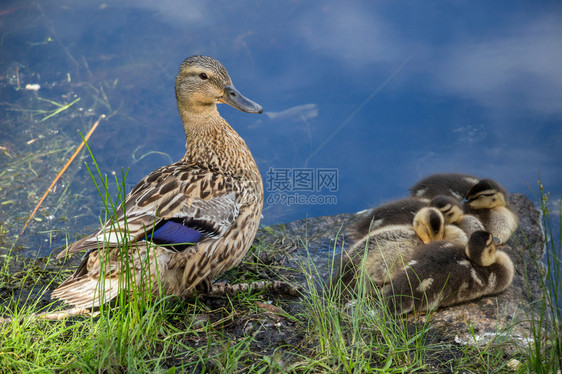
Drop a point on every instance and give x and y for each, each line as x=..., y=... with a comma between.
x=175, y=234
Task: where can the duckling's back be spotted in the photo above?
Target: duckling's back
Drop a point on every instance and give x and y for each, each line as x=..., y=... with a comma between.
x=382, y=253
x=451, y=184
x=397, y=212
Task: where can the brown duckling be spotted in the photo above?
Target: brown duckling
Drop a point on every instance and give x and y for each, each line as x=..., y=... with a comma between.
x=453, y=214
x=487, y=200
x=430, y=230
x=441, y=274
x=397, y=212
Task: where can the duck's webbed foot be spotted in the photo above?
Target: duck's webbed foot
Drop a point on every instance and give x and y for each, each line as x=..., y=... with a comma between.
x=221, y=289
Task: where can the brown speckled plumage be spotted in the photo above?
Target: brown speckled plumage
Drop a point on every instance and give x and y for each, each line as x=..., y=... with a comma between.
x=215, y=189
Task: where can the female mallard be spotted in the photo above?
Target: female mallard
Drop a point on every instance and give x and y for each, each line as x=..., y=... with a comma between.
x=185, y=223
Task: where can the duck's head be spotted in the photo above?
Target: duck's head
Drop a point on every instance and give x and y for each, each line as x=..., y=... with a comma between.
x=449, y=207
x=481, y=248
x=429, y=224
x=202, y=82
x=486, y=194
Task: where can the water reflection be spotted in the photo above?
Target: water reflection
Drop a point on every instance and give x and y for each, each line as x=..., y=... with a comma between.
x=381, y=92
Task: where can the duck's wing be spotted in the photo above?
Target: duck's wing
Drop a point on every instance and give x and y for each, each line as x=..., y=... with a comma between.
x=175, y=206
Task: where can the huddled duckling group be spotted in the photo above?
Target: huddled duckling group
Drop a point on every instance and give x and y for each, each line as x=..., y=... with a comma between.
x=388, y=245
x=435, y=248
x=443, y=274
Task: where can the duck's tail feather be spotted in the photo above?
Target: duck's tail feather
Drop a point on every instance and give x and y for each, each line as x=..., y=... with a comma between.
x=87, y=292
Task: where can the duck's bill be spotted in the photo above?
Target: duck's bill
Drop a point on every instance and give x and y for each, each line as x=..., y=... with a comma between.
x=234, y=98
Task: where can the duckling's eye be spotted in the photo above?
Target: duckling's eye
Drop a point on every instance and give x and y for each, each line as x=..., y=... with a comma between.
x=203, y=76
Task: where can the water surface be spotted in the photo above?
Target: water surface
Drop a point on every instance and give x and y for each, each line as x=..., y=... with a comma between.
x=361, y=99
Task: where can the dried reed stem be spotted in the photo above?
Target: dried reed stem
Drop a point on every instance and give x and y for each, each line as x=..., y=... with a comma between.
x=62, y=172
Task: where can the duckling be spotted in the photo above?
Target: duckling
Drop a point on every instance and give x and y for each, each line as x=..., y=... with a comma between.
x=185, y=223
x=441, y=274
x=453, y=214
x=452, y=184
x=387, y=246
x=487, y=201
x=397, y=212
x=434, y=227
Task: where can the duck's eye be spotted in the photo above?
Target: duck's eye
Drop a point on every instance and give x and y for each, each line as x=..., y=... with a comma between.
x=203, y=76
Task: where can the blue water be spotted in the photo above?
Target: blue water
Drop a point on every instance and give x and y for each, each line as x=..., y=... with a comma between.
x=361, y=99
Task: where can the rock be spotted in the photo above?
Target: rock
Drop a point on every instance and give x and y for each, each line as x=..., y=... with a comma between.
x=313, y=242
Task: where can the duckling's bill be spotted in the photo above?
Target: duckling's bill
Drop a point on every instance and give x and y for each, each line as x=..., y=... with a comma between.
x=234, y=98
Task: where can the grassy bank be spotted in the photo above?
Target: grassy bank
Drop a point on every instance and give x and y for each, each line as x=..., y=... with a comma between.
x=256, y=332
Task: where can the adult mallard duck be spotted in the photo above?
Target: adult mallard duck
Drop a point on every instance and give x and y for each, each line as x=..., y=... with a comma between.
x=185, y=223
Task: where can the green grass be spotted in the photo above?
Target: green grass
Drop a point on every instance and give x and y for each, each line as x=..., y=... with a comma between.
x=545, y=352
x=249, y=332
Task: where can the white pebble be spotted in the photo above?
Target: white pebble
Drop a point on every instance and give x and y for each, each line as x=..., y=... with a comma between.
x=514, y=364
x=33, y=87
